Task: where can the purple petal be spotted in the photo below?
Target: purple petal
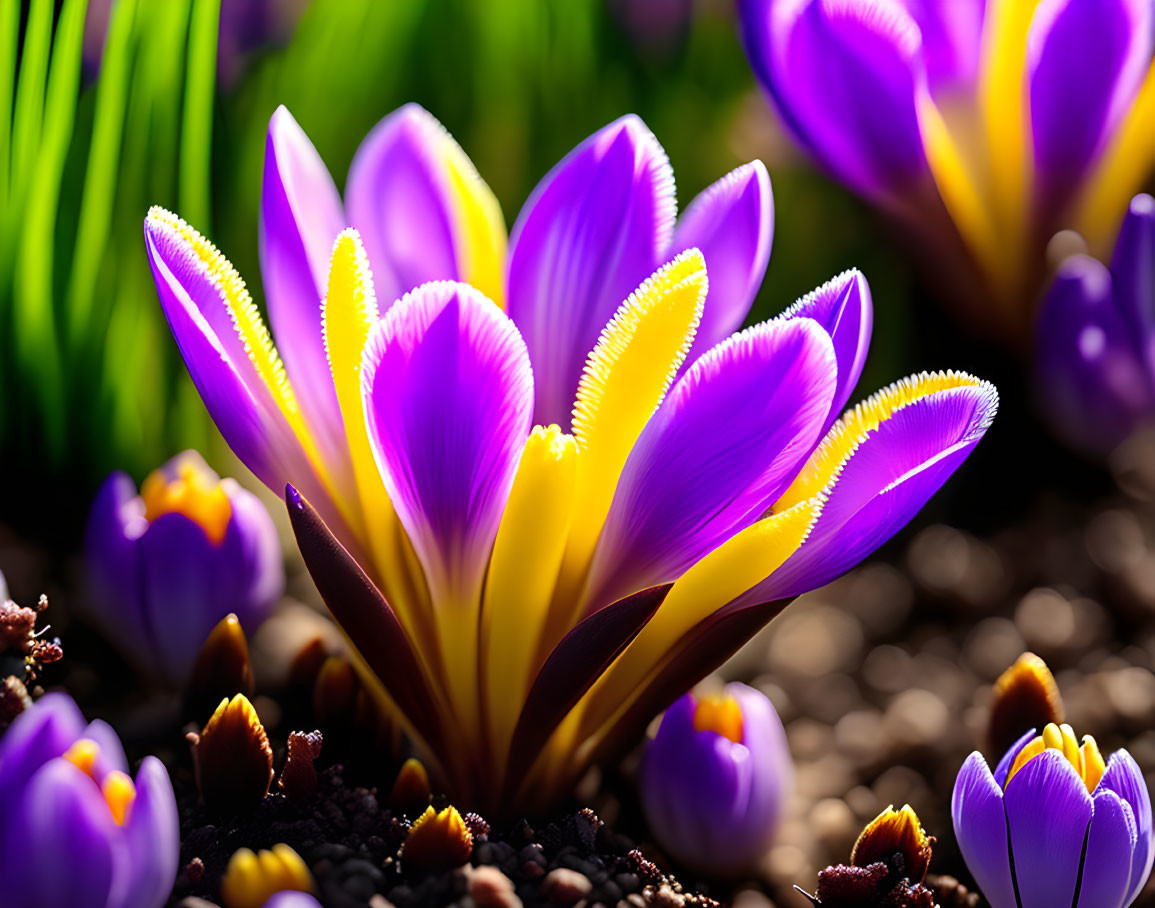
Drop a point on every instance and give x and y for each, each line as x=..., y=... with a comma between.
x=732, y=224
x=1086, y=60
x=111, y=756
x=66, y=852
x=885, y=481
x=951, y=39
x=1092, y=379
x=292, y=900
x=1048, y=811
x=1008, y=760
x=1110, y=850
x=399, y=198
x=980, y=825
x=843, y=308
x=300, y=218
x=252, y=548
x=772, y=771
x=1133, y=274
x=37, y=735
x=847, y=78
x=695, y=787
x=723, y=445
x=237, y=397
x=448, y=394
x=152, y=831
x=112, y=565
x=1124, y=777
x=595, y=227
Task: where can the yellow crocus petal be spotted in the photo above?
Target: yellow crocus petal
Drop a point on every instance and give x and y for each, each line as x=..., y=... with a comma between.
x=522, y=574
x=625, y=379
x=119, y=793
x=958, y=185
x=1031, y=750
x=1124, y=166
x=846, y=434
x=251, y=879
x=347, y=313
x=1006, y=117
x=479, y=227
x=1093, y=763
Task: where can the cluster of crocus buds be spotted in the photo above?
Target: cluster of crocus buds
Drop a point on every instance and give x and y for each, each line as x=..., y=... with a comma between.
x=714, y=779
x=1055, y=823
x=887, y=866
x=75, y=829
x=165, y=566
x=1095, y=345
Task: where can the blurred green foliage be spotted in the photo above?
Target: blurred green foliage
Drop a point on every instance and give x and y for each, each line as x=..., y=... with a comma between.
x=90, y=379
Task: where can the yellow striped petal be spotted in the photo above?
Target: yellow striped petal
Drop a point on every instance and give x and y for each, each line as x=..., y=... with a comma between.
x=522, y=574
x=846, y=434
x=626, y=377
x=479, y=227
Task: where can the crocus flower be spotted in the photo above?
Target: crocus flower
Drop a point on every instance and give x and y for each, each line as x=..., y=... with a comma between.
x=501, y=581
x=714, y=779
x=1008, y=119
x=165, y=566
x=1054, y=825
x=1096, y=339
x=74, y=828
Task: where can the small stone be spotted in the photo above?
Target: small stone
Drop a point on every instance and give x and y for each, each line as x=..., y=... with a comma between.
x=667, y=898
x=565, y=887
x=490, y=888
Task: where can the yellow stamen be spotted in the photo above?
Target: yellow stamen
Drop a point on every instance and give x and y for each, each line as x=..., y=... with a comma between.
x=82, y=754
x=721, y=714
x=119, y=793
x=1087, y=761
x=195, y=492
x=251, y=879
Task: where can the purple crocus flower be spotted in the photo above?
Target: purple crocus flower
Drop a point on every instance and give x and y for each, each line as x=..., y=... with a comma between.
x=715, y=778
x=987, y=124
x=165, y=566
x=74, y=828
x=1096, y=339
x=681, y=482
x=1054, y=825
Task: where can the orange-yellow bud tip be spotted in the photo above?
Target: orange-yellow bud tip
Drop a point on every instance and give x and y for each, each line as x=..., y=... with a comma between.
x=895, y=833
x=196, y=492
x=234, y=762
x=437, y=841
x=251, y=879
x=411, y=791
x=721, y=714
x=82, y=754
x=1026, y=698
x=119, y=793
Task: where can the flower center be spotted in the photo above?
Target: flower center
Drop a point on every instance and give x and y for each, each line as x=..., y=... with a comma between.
x=195, y=492
x=720, y=714
x=1087, y=760
x=117, y=788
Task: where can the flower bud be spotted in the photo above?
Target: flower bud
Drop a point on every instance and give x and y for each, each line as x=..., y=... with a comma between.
x=714, y=779
x=221, y=669
x=251, y=879
x=437, y=842
x=411, y=793
x=1026, y=699
x=233, y=759
x=165, y=566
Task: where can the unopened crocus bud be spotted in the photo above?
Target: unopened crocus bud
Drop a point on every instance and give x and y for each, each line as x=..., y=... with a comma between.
x=715, y=778
x=222, y=668
x=165, y=566
x=437, y=841
x=233, y=759
x=251, y=879
x=1026, y=698
x=1054, y=824
x=411, y=792
x=75, y=829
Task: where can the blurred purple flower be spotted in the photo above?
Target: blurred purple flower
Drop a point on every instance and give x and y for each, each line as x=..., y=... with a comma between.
x=1095, y=351
x=669, y=450
x=74, y=828
x=715, y=778
x=987, y=125
x=292, y=900
x=167, y=565
x=1054, y=825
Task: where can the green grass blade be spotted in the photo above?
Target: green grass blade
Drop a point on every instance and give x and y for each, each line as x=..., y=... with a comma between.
x=100, y=179
x=197, y=127
x=35, y=322
x=9, y=38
